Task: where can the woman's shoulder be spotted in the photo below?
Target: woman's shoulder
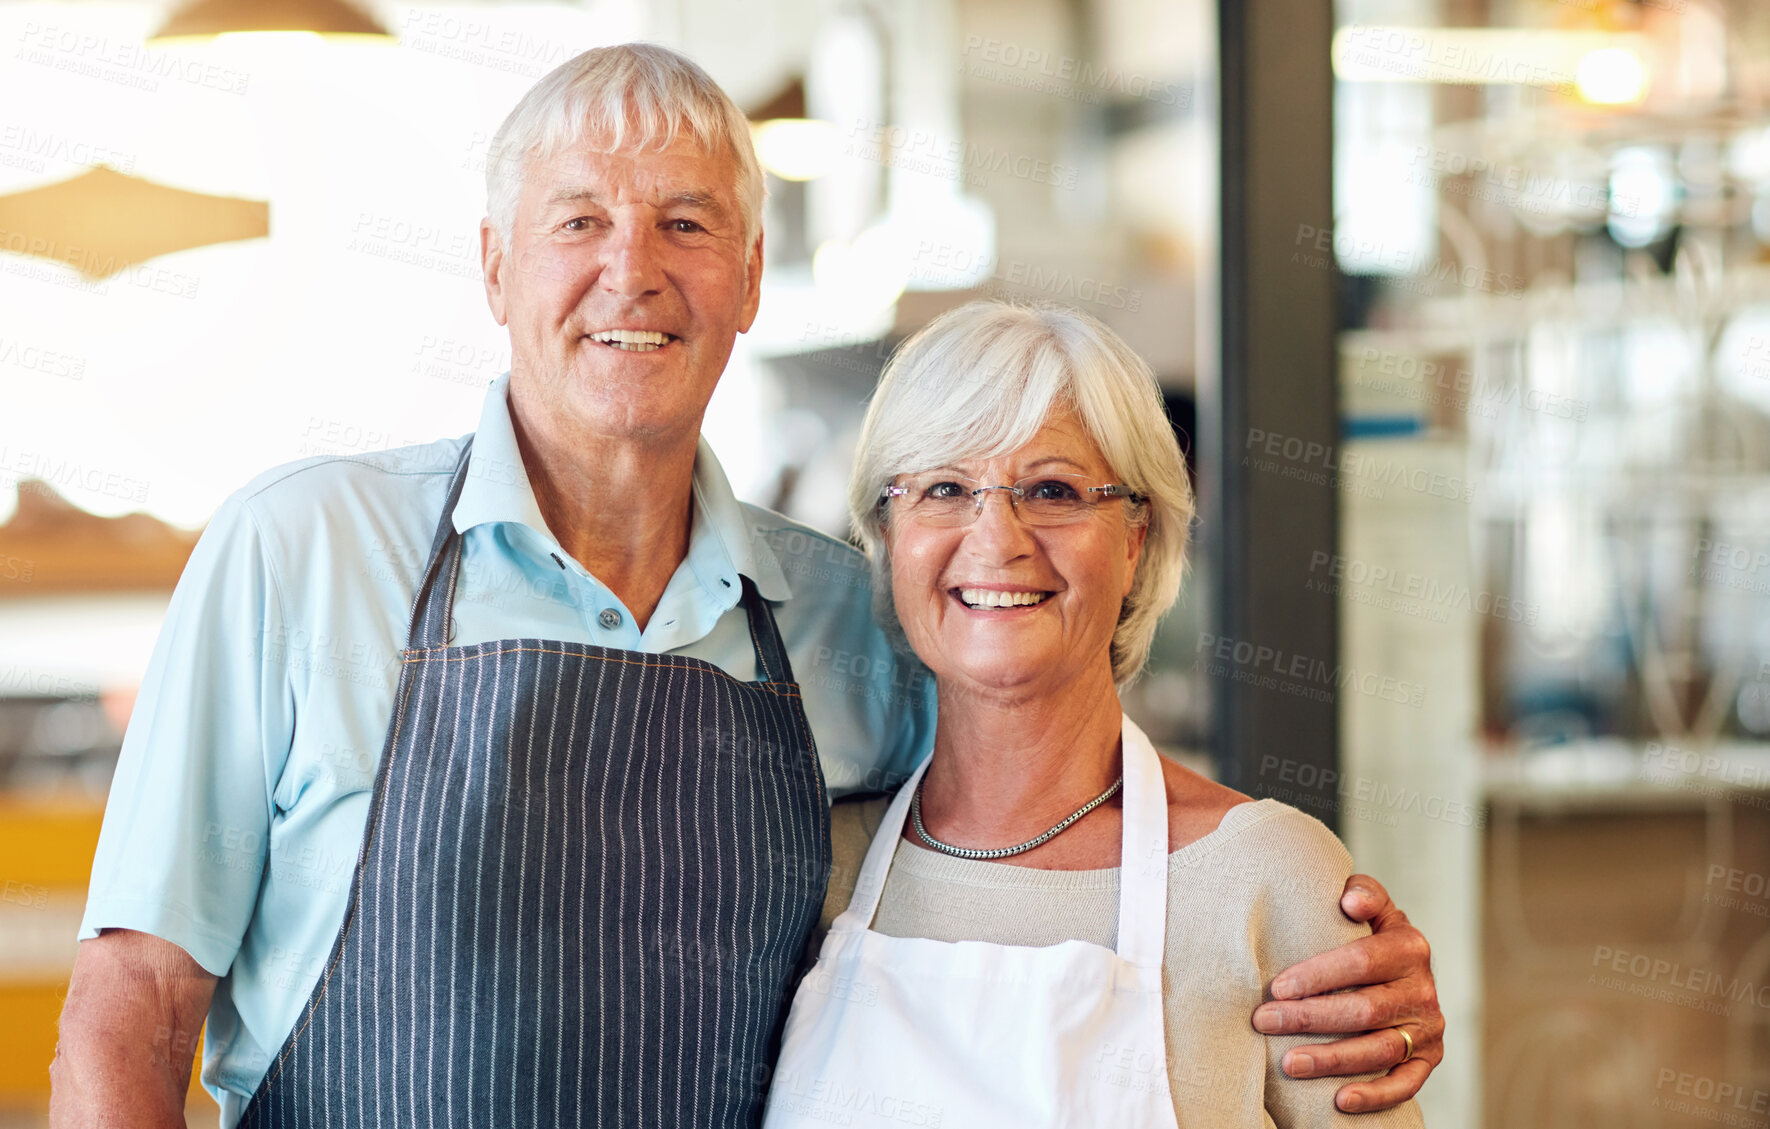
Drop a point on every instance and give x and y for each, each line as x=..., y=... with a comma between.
x=1206, y=818
x=1270, y=828
x=1272, y=864
x=854, y=820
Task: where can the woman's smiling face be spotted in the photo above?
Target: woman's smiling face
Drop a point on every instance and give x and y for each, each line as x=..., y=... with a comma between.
x=1001, y=605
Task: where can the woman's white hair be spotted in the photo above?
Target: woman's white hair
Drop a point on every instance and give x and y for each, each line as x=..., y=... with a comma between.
x=629, y=97
x=979, y=382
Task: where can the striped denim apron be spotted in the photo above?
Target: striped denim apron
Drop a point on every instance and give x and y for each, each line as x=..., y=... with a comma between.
x=584, y=886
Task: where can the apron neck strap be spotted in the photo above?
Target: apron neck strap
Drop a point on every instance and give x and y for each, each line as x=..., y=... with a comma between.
x=434, y=603
x=771, y=654
x=869, y=884
x=1143, y=859
x=429, y=626
x=1143, y=854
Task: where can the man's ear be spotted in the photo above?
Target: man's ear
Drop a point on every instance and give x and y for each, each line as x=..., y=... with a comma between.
x=491, y=261
x=752, y=285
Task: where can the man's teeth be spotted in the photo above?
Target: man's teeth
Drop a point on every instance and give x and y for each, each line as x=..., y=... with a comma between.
x=990, y=598
x=632, y=340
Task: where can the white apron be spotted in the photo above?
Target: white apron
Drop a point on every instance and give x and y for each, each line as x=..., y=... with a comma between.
x=894, y=1031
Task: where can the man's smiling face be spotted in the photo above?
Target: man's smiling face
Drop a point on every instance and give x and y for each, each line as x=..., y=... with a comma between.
x=624, y=284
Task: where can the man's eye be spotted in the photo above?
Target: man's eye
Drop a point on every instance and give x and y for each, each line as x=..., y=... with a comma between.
x=685, y=226
x=577, y=224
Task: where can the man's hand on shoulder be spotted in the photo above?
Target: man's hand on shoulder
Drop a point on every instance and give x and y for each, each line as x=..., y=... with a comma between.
x=1392, y=972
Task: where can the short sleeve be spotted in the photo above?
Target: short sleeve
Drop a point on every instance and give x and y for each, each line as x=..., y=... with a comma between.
x=1306, y=871
x=184, y=841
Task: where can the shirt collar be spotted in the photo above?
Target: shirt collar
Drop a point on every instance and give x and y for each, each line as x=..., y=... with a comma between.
x=497, y=487
x=722, y=539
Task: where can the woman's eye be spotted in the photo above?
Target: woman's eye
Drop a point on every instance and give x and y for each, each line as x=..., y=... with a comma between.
x=1052, y=490
x=945, y=490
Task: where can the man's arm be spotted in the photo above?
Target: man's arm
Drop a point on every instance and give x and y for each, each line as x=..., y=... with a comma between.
x=1393, y=974
x=128, y=1034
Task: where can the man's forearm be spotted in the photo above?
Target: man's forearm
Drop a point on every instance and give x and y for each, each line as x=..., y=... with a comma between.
x=129, y=1032
x=98, y=1083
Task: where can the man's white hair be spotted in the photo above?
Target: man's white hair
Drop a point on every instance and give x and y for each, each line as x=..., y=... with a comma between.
x=979, y=382
x=629, y=98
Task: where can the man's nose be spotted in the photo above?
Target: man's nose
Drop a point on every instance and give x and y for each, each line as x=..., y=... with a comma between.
x=632, y=265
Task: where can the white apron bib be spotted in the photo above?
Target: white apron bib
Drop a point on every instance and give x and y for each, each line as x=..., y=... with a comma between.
x=894, y=1031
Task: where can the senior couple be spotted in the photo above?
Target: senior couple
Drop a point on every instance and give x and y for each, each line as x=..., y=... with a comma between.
x=477, y=783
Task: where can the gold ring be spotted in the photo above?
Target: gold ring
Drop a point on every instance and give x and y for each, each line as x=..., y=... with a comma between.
x=1409, y=1041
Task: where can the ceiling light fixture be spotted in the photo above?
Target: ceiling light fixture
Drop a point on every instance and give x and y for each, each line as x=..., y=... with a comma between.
x=206, y=19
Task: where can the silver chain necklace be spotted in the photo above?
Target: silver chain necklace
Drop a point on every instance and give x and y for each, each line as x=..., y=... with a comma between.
x=1000, y=852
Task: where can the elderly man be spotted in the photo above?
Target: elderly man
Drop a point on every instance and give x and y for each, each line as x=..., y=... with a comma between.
x=471, y=783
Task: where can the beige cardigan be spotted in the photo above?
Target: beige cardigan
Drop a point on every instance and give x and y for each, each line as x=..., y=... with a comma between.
x=1253, y=897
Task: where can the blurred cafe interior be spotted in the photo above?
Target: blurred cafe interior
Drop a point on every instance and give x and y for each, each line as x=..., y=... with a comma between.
x=1461, y=308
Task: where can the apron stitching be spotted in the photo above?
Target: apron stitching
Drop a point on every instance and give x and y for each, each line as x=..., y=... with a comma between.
x=437, y=654
x=350, y=912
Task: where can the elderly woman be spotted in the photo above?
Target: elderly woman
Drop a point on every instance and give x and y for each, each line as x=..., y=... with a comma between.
x=1052, y=924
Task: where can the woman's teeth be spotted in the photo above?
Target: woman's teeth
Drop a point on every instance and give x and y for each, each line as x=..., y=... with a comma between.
x=632, y=340
x=990, y=598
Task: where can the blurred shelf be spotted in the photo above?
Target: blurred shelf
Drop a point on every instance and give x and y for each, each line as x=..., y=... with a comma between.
x=1629, y=775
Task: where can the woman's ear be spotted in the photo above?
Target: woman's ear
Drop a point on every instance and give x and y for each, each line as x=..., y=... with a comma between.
x=1134, y=538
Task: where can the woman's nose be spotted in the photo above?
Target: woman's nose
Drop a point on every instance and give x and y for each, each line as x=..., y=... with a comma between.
x=998, y=527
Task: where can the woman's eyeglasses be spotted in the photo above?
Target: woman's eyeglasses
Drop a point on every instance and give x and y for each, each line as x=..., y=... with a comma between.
x=945, y=499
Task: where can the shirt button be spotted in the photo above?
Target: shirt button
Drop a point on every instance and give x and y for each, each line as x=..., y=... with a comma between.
x=609, y=618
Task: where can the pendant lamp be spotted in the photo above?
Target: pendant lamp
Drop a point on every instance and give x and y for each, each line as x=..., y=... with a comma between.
x=201, y=19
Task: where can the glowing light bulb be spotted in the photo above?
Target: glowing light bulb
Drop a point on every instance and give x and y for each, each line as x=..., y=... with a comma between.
x=796, y=148
x=1611, y=76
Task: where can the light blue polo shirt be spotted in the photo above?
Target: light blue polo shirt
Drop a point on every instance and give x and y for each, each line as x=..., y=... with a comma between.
x=240, y=798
